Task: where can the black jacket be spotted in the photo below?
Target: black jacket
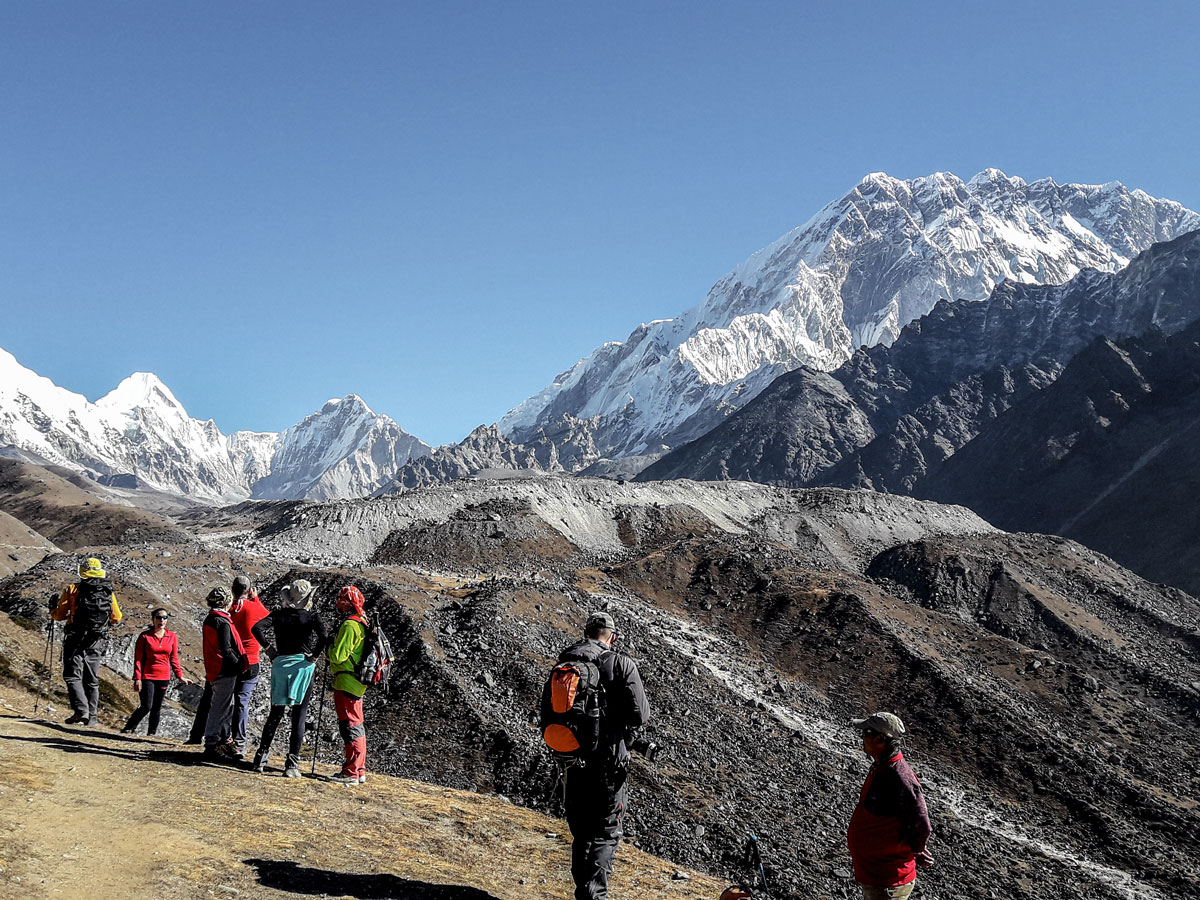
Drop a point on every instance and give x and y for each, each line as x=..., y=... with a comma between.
x=294, y=631
x=625, y=706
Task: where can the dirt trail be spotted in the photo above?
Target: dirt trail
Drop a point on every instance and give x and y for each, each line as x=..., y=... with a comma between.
x=86, y=814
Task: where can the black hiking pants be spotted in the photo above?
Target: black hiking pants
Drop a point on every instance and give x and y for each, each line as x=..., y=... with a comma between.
x=296, y=741
x=595, y=798
x=82, y=653
x=150, y=698
x=197, y=733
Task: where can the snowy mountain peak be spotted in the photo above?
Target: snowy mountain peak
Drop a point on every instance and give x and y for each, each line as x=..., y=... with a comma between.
x=140, y=429
x=351, y=404
x=856, y=273
x=141, y=389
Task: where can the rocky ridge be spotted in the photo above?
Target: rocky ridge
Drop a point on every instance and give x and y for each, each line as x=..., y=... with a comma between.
x=1051, y=695
x=890, y=415
x=1106, y=455
x=853, y=276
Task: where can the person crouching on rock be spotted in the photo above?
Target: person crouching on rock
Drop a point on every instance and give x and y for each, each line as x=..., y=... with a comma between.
x=890, y=826
x=344, y=654
x=89, y=607
x=224, y=661
x=155, y=655
x=291, y=636
x=246, y=610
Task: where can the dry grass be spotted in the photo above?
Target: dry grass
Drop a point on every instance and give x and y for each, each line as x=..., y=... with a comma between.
x=91, y=815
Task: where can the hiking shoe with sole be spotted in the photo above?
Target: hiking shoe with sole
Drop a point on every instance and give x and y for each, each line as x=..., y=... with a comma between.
x=362, y=779
x=76, y=719
x=93, y=722
x=291, y=773
x=260, y=766
x=344, y=779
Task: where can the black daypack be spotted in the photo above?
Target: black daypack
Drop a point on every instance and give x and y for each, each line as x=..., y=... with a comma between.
x=375, y=667
x=93, y=606
x=573, y=701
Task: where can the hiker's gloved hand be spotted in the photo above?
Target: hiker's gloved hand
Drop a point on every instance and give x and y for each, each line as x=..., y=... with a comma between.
x=52, y=603
x=924, y=859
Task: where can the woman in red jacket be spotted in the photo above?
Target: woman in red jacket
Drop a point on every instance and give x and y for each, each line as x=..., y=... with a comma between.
x=156, y=654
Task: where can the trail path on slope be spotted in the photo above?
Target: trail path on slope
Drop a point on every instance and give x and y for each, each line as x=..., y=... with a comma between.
x=87, y=814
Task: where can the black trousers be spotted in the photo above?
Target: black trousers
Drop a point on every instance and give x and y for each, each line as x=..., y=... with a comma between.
x=296, y=741
x=151, y=698
x=595, y=797
x=81, y=671
x=198, y=723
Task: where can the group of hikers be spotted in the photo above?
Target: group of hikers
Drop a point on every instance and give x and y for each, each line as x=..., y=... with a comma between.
x=237, y=631
x=592, y=706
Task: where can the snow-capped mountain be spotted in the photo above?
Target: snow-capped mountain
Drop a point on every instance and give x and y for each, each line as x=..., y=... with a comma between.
x=139, y=433
x=345, y=450
x=855, y=274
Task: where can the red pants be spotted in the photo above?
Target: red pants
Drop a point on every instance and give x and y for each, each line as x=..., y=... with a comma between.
x=354, y=734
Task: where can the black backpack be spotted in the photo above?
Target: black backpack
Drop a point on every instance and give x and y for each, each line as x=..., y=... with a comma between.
x=375, y=667
x=93, y=606
x=573, y=701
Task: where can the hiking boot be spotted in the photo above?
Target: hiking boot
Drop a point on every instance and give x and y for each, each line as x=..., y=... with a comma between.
x=362, y=779
x=260, y=765
x=76, y=719
x=232, y=752
x=129, y=731
x=344, y=779
x=291, y=773
x=220, y=753
x=93, y=722
x=193, y=742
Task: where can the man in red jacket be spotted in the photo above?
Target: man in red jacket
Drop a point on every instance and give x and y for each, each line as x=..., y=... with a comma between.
x=890, y=826
x=246, y=612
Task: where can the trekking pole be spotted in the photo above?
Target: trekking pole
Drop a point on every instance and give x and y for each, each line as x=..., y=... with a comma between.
x=48, y=665
x=756, y=859
x=320, y=709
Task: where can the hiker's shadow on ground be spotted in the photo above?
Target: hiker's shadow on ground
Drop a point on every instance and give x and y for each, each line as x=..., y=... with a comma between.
x=69, y=745
x=283, y=875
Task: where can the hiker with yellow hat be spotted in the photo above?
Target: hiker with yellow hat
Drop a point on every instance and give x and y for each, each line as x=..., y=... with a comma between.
x=88, y=607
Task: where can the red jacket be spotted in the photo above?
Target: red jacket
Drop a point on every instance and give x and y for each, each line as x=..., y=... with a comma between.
x=890, y=825
x=154, y=657
x=246, y=614
x=223, y=653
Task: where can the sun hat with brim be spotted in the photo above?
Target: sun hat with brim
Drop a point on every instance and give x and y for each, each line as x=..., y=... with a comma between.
x=298, y=594
x=885, y=723
x=91, y=568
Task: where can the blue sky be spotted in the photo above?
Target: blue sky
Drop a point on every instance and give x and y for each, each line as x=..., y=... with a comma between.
x=440, y=206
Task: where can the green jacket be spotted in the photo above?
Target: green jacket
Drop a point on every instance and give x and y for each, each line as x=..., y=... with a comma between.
x=344, y=654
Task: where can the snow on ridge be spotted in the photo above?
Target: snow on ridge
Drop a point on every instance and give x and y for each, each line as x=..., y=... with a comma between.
x=853, y=275
x=140, y=428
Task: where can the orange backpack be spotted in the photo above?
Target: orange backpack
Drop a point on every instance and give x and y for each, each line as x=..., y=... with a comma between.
x=572, y=706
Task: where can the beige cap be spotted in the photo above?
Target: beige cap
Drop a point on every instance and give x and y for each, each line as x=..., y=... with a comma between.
x=886, y=723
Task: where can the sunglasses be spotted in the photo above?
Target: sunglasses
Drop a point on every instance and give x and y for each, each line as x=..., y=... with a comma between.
x=161, y=618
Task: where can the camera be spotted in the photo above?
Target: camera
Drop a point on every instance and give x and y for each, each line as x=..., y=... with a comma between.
x=645, y=748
